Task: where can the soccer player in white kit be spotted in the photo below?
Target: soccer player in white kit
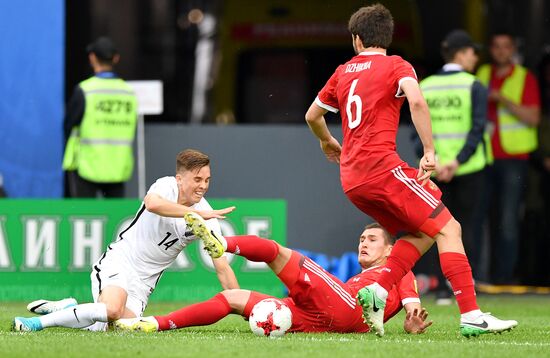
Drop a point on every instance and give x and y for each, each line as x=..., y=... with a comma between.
x=128, y=272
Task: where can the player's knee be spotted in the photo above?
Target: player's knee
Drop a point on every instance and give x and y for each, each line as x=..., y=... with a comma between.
x=453, y=230
x=283, y=252
x=114, y=311
x=236, y=298
x=230, y=295
x=457, y=228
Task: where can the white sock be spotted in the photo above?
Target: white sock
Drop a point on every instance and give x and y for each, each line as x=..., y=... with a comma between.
x=97, y=327
x=223, y=241
x=380, y=291
x=472, y=315
x=79, y=316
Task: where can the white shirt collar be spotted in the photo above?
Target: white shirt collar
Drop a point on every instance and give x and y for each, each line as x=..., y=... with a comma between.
x=370, y=268
x=370, y=53
x=452, y=67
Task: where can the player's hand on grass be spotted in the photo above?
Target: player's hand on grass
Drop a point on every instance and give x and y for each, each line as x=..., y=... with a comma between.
x=415, y=321
x=332, y=149
x=215, y=214
x=426, y=167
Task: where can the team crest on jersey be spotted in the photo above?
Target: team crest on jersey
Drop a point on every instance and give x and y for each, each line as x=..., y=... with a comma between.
x=432, y=185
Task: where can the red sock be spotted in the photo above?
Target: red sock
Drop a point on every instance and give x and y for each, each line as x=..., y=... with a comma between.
x=456, y=268
x=253, y=247
x=199, y=314
x=401, y=260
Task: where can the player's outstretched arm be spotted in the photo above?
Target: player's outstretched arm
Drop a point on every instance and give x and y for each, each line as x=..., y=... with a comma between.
x=316, y=121
x=225, y=273
x=416, y=319
x=160, y=206
x=215, y=214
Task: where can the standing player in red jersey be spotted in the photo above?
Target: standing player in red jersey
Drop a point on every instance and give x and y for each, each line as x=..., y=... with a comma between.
x=319, y=301
x=369, y=90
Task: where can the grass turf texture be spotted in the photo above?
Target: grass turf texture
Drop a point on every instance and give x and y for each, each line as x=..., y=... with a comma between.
x=231, y=337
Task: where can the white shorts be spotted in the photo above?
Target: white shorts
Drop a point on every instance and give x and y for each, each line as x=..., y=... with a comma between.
x=112, y=270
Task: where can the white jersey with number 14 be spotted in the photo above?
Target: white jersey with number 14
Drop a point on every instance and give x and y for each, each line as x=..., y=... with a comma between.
x=152, y=242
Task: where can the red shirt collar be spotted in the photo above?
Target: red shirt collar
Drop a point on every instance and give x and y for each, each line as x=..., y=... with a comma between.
x=508, y=74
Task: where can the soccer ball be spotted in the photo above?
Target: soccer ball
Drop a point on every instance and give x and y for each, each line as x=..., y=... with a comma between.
x=270, y=317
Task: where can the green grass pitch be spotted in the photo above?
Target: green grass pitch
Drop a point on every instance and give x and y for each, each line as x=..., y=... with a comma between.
x=232, y=338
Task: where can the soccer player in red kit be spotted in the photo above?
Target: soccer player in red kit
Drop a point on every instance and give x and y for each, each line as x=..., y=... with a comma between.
x=368, y=91
x=319, y=301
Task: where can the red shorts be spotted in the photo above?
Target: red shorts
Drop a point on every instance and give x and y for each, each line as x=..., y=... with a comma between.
x=319, y=301
x=398, y=202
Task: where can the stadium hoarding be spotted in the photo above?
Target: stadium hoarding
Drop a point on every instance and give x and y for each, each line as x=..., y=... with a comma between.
x=47, y=248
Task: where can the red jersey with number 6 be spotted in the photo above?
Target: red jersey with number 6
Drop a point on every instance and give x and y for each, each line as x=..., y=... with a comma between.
x=367, y=92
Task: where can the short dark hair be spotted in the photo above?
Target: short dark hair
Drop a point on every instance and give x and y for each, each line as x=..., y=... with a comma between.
x=456, y=41
x=374, y=26
x=191, y=159
x=104, y=49
x=388, y=238
x=502, y=33
x=448, y=54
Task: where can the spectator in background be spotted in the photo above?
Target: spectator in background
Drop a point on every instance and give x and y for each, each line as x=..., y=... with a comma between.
x=514, y=112
x=458, y=109
x=100, y=125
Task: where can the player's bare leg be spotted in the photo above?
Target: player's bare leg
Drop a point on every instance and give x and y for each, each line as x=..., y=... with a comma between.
x=281, y=260
x=114, y=298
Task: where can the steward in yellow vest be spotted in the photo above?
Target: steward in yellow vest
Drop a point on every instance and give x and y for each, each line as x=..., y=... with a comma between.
x=458, y=110
x=100, y=123
x=514, y=112
x=456, y=135
x=516, y=137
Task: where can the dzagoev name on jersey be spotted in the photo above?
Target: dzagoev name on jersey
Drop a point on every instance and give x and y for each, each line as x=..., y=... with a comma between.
x=358, y=67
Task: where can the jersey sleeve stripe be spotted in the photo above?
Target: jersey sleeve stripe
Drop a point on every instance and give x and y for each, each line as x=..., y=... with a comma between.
x=400, y=92
x=325, y=106
x=410, y=300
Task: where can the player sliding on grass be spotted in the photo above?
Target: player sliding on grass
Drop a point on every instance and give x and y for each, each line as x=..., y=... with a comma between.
x=319, y=301
x=369, y=91
x=127, y=273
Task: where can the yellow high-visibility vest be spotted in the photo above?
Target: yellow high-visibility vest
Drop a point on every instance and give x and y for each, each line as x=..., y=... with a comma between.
x=101, y=148
x=515, y=136
x=449, y=98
